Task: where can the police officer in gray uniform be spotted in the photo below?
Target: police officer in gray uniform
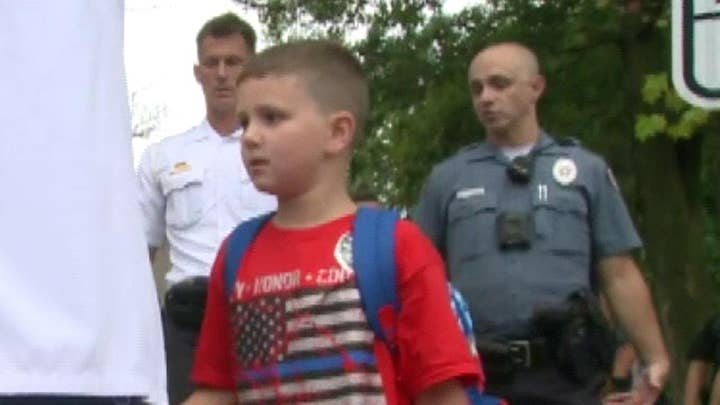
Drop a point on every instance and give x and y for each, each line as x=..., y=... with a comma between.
x=525, y=222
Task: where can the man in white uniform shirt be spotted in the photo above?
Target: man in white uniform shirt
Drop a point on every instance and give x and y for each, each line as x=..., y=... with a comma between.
x=79, y=322
x=194, y=191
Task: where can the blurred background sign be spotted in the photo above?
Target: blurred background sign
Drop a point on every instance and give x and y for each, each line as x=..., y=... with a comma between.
x=696, y=51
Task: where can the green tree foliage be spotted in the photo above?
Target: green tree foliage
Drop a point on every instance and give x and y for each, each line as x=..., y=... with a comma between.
x=607, y=64
x=658, y=93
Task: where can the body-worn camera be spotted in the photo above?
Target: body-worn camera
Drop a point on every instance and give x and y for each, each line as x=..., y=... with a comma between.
x=514, y=230
x=520, y=169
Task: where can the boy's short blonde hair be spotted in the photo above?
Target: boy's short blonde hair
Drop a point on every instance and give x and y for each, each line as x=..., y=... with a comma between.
x=334, y=76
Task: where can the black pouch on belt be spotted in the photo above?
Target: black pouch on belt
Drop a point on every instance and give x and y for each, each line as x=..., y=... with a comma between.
x=185, y=302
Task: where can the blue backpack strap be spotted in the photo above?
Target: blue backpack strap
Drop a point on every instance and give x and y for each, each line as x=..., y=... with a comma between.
x=373, y=247
x=374, y=250
x=237, y=244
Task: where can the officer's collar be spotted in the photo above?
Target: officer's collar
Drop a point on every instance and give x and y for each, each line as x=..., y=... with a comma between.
x=482, y=151
x=544, y=141
x=486, y=150
x=205, y=131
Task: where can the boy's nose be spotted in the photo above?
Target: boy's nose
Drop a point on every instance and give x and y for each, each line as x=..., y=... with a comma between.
x=250, y=136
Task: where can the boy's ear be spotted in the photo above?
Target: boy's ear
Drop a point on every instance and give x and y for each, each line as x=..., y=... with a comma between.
x=342, y=132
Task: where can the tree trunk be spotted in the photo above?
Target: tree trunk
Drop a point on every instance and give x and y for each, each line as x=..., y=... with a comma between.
x=673, y=229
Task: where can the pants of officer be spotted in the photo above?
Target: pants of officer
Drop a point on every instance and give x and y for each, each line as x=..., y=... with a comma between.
x=545, y=386
x=68, y=400
x=180, y=346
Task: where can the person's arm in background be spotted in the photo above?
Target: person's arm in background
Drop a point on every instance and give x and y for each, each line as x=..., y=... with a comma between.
x=152, y=201
x=631, y=304
x=701, y=355
x=715, y=393
x=623, y=363
x=624, y=357
x=697, y=374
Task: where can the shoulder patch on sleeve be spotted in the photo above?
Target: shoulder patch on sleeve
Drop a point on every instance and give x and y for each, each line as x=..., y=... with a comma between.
x=612, y=179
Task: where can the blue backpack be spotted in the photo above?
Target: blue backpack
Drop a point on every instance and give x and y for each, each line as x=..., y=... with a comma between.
x=375, y=273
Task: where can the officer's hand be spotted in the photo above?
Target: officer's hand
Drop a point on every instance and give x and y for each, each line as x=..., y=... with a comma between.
x=651, y=382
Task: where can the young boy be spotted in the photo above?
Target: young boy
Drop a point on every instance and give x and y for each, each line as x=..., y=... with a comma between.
x=296, y=300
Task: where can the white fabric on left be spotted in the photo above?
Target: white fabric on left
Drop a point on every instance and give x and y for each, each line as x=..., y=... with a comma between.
x=79, y=314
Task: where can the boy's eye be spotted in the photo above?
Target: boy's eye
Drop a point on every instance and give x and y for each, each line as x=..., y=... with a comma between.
x=272, y=117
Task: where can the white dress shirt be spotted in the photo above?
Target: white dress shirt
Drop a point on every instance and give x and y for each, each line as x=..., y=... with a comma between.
x=194, y=190
x=79, y=314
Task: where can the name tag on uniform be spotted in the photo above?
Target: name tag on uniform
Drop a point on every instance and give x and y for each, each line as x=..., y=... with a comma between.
x=469, y=192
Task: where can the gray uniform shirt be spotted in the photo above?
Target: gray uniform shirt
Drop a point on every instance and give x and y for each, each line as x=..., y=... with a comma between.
x=578, y=215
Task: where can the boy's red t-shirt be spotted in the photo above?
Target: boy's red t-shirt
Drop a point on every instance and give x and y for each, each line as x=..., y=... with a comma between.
x=295, y=331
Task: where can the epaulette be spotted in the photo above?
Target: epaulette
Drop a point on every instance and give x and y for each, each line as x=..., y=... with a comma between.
x=568, y=141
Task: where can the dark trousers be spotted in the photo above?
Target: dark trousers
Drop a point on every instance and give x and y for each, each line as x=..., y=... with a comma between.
x=180, y=343
x=544, y=386
x=68, y=400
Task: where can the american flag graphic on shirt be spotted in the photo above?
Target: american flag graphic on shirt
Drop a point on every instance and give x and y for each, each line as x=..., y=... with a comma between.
x=307, y=345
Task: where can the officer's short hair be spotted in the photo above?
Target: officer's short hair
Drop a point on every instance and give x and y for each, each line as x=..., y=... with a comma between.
x=226, y=25
x=334, y=76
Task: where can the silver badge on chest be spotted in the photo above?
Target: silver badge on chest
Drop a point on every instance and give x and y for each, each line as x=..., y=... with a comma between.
x=564, y=171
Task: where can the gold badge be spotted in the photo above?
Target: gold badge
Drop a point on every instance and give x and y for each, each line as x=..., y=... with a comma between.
x=180, y=167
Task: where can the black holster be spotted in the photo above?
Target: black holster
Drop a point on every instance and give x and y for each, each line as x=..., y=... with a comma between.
x=578, y=337
x=185, y=302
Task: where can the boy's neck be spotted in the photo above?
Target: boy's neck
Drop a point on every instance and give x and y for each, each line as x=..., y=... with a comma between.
x=313, y=209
